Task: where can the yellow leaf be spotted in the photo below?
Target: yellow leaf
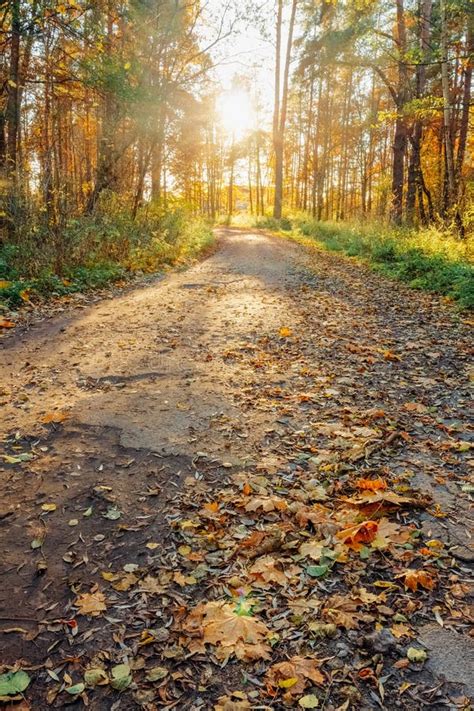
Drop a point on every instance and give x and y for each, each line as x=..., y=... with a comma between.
x=49, y=507
x=288, y=683
x=4, y=284
x=91, y=604
x=285, y=332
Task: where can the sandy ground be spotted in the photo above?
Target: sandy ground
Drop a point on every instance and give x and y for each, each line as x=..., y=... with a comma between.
x=192, y=368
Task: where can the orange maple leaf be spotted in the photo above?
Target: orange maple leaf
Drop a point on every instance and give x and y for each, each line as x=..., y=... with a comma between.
x=264, y=571
x=6, y=323
x=418, y=578
x=360, y=533
x=91, y=604
x=371, y=484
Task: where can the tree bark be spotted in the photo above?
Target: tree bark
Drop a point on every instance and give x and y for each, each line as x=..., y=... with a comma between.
x=279, y=135
x=414, y=167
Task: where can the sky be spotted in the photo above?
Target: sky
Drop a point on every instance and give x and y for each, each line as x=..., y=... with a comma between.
x=248, y=53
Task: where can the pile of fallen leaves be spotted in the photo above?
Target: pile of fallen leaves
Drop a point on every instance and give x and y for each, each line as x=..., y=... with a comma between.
x=297, y=580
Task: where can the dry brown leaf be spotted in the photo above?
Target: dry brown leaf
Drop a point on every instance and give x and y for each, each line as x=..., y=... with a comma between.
x=266, y=503
x=152, y=586
x=54, y=417
x=294, y=675
x=91, y=604
x=389, y=533
x=401, y=630
x=418, y=578
x=342, y=611
x=312, y=549
x=120, y=581
x=237, y=701
x=265, y=571
x=233, y=632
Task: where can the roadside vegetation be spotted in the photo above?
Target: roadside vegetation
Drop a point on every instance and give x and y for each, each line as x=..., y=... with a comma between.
x=429, y=259
x=91, y=251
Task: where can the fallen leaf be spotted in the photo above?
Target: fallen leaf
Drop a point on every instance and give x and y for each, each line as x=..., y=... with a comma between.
x=310, y=701
x=223, y=625
x=6, y=323
x=414, y=578
x=121, y=677
x=416, y=655
x=312, y=549
x=354, y=536
x=54, y=417
x=266, y=503
x=156, y=673
x=371, y=484
x=294, y=675
x=13, y=683
x=48, y=507
x=95, y=676
x=265, y=571
x=75, y=689
x=91, y=604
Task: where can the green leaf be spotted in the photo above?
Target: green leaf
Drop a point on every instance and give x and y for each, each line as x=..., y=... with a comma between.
x=121, y=677
x=76, y=689
x=416, y=655
x=317, y=571
x=112, y=513
x=13, y=683
x=310, y=701
x=95, y=676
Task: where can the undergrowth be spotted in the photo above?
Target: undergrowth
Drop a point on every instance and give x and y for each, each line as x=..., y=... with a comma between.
x=91, y=251
x=427, y=259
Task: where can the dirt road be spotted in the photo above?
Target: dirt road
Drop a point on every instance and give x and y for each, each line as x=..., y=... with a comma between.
x=175, y=448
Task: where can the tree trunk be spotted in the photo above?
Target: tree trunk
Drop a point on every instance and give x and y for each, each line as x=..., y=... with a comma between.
x=466, y=102
x=279, y=135
x=414, y=167
x=400, y=138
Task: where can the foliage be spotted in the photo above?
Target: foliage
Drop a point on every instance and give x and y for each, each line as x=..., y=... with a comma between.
x=428, y=259
x=94, y=250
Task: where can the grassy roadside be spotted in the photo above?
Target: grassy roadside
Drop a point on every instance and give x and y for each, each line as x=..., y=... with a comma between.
x=424, y=259
x=94, y=252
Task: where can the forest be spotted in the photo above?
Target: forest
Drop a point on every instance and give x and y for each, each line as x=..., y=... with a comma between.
x=114, y=128
x=236, y=293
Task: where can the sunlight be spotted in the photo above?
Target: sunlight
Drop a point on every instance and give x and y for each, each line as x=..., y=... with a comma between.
x=236, y=113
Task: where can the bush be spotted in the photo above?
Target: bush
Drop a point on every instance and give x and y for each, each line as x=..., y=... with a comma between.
x=426, y=259
x=271, y=223
x=92, y=250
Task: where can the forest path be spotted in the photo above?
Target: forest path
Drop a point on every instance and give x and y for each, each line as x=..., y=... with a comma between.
x=207, y=409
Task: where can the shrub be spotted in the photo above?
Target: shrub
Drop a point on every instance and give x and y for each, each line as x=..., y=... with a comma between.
x=90, y=251
x=426, y=259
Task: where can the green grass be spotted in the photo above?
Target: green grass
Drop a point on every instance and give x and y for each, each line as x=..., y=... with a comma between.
x=92, y=251
x=427, y=259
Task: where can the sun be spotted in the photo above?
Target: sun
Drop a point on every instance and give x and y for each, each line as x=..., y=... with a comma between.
x=236, y=112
